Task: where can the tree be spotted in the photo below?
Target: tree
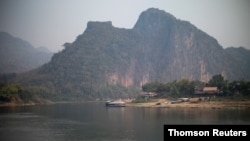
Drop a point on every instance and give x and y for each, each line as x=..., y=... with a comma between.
x=151, y=87
x=9, y=91
x=186, y=87
x=218, y=81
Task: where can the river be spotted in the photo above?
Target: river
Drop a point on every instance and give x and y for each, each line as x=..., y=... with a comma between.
x=92, y=121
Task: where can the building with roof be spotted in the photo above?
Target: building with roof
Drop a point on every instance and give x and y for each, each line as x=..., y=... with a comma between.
x=207, y=92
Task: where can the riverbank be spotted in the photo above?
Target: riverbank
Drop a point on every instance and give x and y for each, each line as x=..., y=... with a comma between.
x=165, y=103
x=31, y=103
x=155, y=103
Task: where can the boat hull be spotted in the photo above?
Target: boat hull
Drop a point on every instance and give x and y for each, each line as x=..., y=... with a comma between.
x=115, y=104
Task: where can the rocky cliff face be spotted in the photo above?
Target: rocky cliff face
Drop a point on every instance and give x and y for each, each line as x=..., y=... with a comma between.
x=178, y=49
x=159, y=47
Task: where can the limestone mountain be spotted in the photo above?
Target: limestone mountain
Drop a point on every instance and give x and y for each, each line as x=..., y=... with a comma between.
x=240, y=55
x=104, y=60
x=17, y=55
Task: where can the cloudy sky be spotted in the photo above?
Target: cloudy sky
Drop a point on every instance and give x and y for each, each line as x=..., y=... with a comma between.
x=51, y=23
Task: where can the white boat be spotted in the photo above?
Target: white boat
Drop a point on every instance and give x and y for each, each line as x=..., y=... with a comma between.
x=115, y=103
x=184, y=99
x=179, y=100
x=176, y=101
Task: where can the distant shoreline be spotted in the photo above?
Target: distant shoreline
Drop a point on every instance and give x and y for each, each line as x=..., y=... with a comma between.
x=164, y=103
x=190, y=103
x=13, y=104
x=156, y=103
x=44, y=102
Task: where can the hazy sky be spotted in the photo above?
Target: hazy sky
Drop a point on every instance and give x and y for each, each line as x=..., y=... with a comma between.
x=51, y=23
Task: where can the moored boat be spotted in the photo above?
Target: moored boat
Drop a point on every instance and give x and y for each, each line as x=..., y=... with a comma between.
x=115, y=103
x=184, y=99
x=176, y=101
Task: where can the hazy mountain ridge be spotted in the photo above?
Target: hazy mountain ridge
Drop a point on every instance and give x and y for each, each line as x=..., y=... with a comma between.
x=241, y=55
x=105, y=60
x=17, y=55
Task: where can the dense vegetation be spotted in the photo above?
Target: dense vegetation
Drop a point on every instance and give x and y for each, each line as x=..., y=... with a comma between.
x=14, y=92
x=10, y=92
x=109, y=62
x=186, y=88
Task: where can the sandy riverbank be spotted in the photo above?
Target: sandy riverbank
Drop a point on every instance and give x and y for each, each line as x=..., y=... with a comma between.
x=191, y=104
x=160, y=103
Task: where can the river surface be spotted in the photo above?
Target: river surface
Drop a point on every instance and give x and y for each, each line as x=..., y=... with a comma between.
x=92, y=121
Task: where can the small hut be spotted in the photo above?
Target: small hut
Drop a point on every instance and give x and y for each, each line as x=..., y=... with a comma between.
x=207, y=92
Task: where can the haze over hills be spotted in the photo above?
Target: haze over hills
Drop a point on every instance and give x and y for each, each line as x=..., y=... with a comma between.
x=104, y=60
x=17, y=55
x=242, y=57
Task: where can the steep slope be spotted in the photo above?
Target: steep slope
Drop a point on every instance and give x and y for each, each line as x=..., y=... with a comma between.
x=105, y=60
x=181, y=50
x=17, y=55
x=96, y=64
x=240, y=55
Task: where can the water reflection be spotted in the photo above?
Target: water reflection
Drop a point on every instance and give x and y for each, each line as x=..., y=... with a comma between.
x=93, y=121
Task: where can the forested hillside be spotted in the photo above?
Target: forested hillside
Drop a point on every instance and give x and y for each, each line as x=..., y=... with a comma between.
x=105, y=61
